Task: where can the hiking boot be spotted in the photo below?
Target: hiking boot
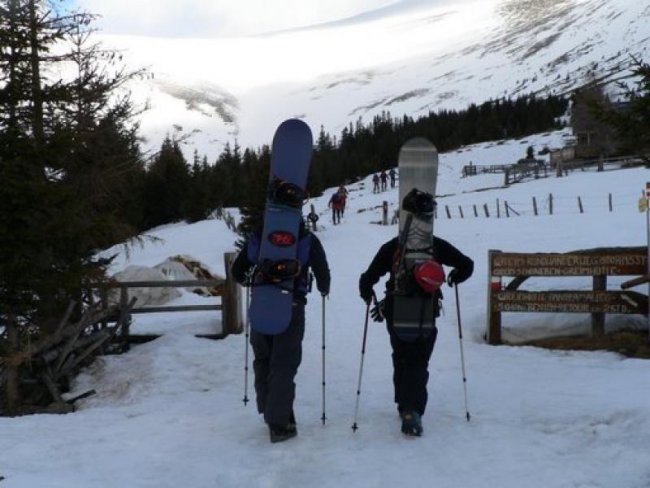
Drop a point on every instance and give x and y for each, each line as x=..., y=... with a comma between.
x=411, y=423
x=281, y=433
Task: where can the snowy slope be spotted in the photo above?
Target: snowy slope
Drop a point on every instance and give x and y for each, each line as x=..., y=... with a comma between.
x=170, y=412
x=411, y=57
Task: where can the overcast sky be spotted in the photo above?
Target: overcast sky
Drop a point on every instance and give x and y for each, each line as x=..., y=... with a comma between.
x=217, y=18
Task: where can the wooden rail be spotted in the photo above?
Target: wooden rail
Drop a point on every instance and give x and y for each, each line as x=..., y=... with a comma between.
x=597, y=263
x=229, y=291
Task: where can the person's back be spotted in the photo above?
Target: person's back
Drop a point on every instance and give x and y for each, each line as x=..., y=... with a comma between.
x=411, y=358
x=278, y=356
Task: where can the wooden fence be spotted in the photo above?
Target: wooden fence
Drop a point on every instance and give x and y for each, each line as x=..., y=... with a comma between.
x=33, y=378
x=228, y=290
x=504, y=209
x=515, y=173
x=597, y=263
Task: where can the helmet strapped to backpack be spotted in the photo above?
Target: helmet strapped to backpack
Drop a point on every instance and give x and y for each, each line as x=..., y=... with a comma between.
x=429, y=275
x=419, y=203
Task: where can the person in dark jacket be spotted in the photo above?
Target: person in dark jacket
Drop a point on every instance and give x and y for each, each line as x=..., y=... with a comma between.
x=393, y=174
x=277, y=357
x=337, y=204
x=411, y=359
x=384, y=180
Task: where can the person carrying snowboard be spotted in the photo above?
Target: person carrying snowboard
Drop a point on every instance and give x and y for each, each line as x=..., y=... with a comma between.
x=336, y=203
x=411, y=358
x=277, y=357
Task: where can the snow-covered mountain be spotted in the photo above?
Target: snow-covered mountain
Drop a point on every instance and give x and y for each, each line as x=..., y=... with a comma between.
x=408, y=58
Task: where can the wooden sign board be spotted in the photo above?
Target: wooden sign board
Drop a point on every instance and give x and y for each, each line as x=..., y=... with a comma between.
x=616, y=302
x=605, y=262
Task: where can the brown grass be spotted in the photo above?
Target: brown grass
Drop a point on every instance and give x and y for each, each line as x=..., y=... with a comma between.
x=633, y=344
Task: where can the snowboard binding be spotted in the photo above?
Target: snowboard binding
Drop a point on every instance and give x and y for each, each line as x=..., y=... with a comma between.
x=275, y=272
x=286, y=193
x=419, y=203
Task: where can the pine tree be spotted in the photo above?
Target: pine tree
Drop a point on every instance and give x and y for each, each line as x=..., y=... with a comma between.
x=631, y=120
x=167, y=185
x=253, y=200
x=58, y=139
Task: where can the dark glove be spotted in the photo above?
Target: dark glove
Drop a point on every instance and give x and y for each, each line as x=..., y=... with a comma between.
x=377, y=312
x=366, y=295
x=453, y=278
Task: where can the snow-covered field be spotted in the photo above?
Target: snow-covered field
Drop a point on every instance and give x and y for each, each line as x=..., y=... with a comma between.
x=170, y=412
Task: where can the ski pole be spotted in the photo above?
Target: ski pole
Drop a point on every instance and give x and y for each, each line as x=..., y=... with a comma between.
x=246, y=336
x=363, y=352
x=323, y=417
x=462, y=355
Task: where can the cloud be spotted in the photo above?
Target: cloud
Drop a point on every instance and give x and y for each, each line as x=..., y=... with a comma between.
x=217, y=18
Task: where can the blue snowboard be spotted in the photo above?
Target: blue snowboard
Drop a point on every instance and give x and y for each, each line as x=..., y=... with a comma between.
x=272, y=304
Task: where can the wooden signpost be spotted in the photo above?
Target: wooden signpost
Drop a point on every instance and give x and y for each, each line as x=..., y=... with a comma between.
x=597, y=263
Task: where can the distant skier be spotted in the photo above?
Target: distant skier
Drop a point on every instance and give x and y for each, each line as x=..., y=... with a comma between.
x=393, y=174
x=384, y=180
x=411, y=359
x=277, y=357
x=312, y=218
x=375, y=183
x=336, y=203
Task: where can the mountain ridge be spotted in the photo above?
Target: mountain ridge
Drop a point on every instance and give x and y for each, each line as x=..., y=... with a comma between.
x=449, y=57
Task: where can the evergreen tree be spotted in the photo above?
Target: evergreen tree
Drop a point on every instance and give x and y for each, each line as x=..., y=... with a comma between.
x=594, y=137
x=167, y=185
x=631, y=120
x=254, y=198
x=198, y=203
x=59, y=138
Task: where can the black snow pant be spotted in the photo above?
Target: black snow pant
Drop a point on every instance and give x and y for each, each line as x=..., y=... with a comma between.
x=276, y=362
x=336, y=215
x=411, y=369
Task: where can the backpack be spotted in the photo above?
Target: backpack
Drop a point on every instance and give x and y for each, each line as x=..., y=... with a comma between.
x=424, y=278
x=301, y=283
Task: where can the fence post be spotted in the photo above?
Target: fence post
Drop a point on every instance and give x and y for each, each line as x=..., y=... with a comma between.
x=485, y=208
x=610, y=202
x=506, y=208
x=231, y=313
x=460, y=210
x=580, y=205
x=447, y=211
x=475, y=210
x=126, y=326
x=385, y=212
x=550, y=203
x=493, y=328
x=498, y=209
x=598, y=318
x=535, y=205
